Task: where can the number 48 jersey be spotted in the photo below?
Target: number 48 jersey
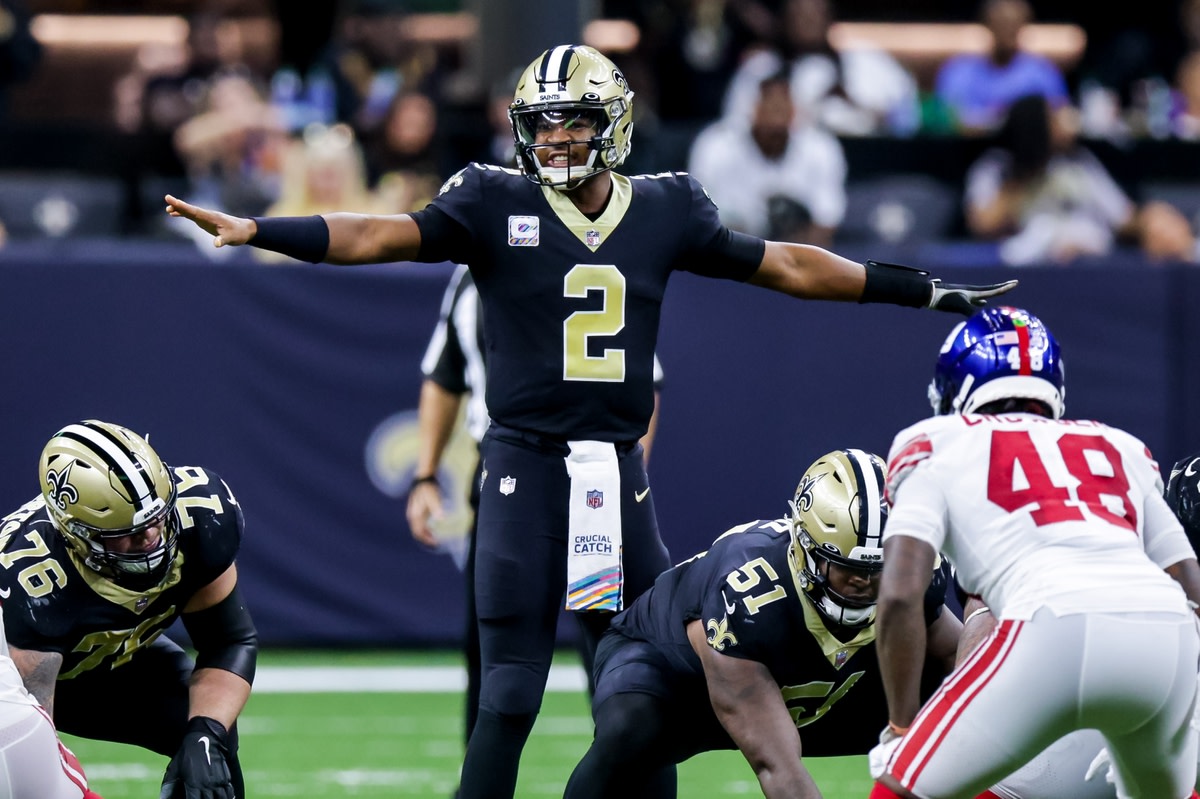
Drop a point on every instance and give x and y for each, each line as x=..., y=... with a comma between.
x=1035, y=512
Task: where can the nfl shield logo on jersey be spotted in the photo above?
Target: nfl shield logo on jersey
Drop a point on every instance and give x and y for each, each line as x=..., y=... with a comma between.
x=592, y=237
x=523, y=231
x=508, y=485
x=595, y=499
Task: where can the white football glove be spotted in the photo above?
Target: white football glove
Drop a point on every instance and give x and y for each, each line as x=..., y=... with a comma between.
x=1101, y=761
x=881, y=753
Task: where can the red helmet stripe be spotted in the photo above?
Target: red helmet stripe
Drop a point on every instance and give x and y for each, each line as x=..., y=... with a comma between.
x=1026, y=366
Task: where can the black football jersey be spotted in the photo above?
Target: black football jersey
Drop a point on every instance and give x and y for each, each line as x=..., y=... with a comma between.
x=571, y=305
x=744, y=592
x=54, y=603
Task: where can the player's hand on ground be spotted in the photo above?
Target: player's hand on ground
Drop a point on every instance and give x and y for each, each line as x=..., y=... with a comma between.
x=881, y=753
x=965, y=298
x=200, y=769
x=424, y=507
x=224, y=228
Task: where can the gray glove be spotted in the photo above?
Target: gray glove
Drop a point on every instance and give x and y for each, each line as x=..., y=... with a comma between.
x=964, y=298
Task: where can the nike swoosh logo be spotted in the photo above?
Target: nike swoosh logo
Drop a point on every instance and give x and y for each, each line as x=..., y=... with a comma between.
x=4, y=594
x=1191, y=468
x=638, y=496
x=207, y=756
x=730, y=607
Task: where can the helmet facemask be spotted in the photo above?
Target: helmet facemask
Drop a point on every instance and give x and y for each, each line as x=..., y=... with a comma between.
x=101, y=484
x=837, y=519
x=567, y=88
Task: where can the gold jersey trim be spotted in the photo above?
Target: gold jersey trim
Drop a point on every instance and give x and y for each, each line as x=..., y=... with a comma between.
x=133, y=601
x=838, y=653
x=592, y=234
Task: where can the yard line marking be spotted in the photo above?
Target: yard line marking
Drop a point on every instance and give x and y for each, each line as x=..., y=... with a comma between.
x=389, y=679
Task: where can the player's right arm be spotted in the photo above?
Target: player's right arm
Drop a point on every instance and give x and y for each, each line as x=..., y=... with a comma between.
x=750, y=707
x=336, y=238
x=39, y=672
x=437, y=412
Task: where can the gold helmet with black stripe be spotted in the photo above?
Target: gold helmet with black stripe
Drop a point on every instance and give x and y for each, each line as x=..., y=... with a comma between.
x=838, y=514
x=102, y=482
x=573, y=86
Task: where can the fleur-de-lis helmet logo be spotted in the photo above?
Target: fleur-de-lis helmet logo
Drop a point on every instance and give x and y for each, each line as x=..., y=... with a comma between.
x=61, y=491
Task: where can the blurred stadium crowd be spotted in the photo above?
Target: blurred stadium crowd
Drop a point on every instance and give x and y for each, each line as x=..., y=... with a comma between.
x=1043, y=127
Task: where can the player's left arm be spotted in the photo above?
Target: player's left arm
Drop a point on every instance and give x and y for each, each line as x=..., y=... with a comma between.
x=750, y=707
x=809, y=272
x=219, y=624
x=900, y=628
x=941, y=640
x=39, y=672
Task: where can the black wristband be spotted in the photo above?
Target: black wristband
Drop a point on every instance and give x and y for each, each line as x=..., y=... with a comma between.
x=305, y=238
x=429, y=478
x=896, y=285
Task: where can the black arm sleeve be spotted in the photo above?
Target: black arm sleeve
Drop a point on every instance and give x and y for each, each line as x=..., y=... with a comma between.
x=224, y=636
x=896, y=285
x=305, y=238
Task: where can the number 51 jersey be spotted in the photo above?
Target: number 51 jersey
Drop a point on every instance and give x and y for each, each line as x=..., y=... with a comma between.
x=54, y=603
x=1035, y=512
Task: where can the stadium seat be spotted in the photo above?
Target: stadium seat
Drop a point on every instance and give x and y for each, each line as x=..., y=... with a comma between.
x=56, y=205
x=899, y=209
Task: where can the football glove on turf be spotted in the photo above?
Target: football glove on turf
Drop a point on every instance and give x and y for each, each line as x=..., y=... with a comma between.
x=200, y=769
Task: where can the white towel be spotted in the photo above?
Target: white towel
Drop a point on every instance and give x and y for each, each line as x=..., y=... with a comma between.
x=594, y=575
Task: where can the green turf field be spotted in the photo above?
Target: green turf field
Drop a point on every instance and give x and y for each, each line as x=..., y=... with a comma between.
x=386, y=744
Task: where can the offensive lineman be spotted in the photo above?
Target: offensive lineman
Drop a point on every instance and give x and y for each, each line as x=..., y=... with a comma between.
x=113, y=550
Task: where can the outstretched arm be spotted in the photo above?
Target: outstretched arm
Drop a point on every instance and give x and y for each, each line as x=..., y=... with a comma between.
x=809, y=272
x=337, y=238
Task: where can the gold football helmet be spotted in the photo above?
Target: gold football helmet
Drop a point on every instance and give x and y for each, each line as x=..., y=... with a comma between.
x=838, y=516
x=102, y=482
x=572, y=85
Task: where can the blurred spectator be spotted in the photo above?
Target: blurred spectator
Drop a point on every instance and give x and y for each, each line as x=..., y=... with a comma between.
x=176, y=89
x=856, y=91
x=978, y=88
x=1185, y=123
x=1048, y=199
x=20, y=52
x=1129, y=63
x=232, y=147
x=323, y=171
x=774, y=179
x=405, y=161
x=693, y=47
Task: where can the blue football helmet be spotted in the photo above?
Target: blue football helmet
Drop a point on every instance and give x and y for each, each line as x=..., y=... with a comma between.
x=998, y=353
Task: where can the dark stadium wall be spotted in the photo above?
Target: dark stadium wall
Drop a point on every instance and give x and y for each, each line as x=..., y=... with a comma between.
x=298, y=385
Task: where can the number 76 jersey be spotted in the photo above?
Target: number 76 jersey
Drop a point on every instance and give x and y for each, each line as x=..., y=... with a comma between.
x=1035, y=512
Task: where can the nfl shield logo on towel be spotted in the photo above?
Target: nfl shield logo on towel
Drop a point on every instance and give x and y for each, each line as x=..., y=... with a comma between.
x=595, y=499
x=508, y=485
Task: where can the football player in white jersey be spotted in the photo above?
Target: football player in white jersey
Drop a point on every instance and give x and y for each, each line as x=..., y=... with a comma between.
x=34, y=763
x=1060, y=528
x=1078, y=766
